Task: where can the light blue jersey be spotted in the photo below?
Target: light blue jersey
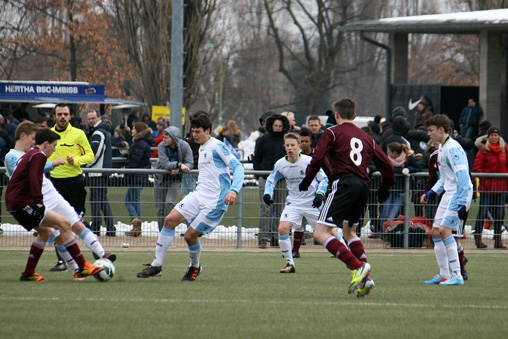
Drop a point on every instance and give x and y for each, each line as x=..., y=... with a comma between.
x=214, y=180
x=453, y=173
x=294, y=174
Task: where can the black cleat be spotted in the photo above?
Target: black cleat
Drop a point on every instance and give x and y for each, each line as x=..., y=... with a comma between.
x=150, y=271
x=192, y=273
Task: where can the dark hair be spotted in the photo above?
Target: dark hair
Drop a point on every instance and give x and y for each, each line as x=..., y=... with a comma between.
x=346, y=108
x=314, y=117
x=439, y=120
x=45, y=134
x=63, y=105
x=201, y=121
x=49, y=121
x=140, y=126
x=26, y=127
x=305, y=132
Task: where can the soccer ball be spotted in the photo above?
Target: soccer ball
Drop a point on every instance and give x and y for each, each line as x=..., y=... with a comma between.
x=107, y=273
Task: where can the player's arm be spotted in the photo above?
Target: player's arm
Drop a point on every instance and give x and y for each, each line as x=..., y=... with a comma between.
x=322, y=182
x=459, y=164
x=271, y=181
x=35, y=173
x=87, y=155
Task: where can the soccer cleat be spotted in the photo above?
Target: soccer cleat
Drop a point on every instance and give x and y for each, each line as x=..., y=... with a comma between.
x=436, y=280
x=150, y=271
x=359, y=276
x=89, y=269
x=36, y=277
x=365, y=287
x=288, y=269
x=296, y=254
x=453, y=280
x=59, y=267
x=78, y=277
x=464, y=275
x=110, y=256
x=192, y=273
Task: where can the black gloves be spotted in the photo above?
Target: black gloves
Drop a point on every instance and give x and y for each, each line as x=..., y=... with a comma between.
x=318, y=200
x=382, y=195
x=303, y=187
x=267, y=199
x=463, y=213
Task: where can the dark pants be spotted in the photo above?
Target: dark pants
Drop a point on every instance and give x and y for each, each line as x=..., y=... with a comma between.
x=493, y=203
x=73, y=190
x=99, y=204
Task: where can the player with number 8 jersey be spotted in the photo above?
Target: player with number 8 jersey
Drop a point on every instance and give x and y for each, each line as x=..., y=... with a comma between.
x=350, y=150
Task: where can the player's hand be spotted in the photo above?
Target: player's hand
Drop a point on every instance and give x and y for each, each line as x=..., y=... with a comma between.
x=318, y=200
x=303, y=187
x=382, y=195
x=58, y=162
x=267, y=199
x=230, y=198
x=429, y=195
x=462, y=212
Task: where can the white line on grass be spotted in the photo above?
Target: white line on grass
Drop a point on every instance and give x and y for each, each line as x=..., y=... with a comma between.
x=245, y=301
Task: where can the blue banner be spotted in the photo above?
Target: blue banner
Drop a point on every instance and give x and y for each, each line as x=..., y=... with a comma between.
x=55, y=91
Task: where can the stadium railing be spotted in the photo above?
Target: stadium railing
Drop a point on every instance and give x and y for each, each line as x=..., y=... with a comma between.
x=239, y=227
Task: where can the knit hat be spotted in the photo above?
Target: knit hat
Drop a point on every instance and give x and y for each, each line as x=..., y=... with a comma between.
x=493, y=129
x=399, y=111
x=331, y=119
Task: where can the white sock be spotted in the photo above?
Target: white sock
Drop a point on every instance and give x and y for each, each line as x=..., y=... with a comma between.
x=92, y=242
x=163, y=242
x=195, y=254
x=68, y=258
x=286, y=248
x=453, y=255
x=442, y=258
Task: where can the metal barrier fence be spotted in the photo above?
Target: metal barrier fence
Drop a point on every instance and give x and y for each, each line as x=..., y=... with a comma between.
x=240, y=226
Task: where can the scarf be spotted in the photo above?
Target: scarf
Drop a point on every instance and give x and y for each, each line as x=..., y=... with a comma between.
x=400, y=161
x=495, y=148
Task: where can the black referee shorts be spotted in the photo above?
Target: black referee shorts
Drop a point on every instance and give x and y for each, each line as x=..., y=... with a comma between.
x=73, y=190
x=346, y=201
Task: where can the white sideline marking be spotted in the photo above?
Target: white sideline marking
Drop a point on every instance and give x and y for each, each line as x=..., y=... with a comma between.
x=245, y=301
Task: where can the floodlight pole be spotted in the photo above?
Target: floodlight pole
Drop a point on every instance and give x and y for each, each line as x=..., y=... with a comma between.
x=176, y=96
x=388, y=85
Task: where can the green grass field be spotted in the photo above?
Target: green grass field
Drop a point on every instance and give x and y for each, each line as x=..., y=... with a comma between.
x=242, y=295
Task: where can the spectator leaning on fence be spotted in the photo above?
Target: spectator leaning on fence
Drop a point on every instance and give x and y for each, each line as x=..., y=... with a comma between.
x=100, y=141
x=175, y=155
x=138, y=157
x=493, y=158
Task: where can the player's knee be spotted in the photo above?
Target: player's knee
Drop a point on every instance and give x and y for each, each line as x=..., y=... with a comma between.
x=78, y=227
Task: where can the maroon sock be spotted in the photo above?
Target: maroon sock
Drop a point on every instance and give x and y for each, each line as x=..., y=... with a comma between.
x=462, y=260
x=297, y=241
x=356, y=247
x=33, y=258
x=72, y=246
x=339, y=250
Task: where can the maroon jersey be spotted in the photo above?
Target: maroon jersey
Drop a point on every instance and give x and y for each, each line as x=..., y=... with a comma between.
x=25, y=185
x=350, y=150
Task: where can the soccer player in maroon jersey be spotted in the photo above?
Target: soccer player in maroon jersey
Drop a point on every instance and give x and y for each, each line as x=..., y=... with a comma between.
x=24, y=200
x=350, y=150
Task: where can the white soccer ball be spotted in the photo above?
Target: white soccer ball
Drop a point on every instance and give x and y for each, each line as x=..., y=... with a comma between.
x=107, y=273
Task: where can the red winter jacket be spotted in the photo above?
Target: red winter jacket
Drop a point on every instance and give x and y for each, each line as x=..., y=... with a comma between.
x=489, y=162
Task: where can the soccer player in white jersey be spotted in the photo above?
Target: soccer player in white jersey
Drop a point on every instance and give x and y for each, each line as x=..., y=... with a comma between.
x=453, y=209
x=298, y=204
x=25, y=139
x=203, y=208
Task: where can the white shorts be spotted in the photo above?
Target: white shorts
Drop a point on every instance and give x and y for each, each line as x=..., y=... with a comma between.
x=295, y=214
x=60, y=206
x=447, y=216
x=200, y=213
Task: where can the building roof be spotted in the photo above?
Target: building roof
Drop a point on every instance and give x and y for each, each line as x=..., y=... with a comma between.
x=463, y=22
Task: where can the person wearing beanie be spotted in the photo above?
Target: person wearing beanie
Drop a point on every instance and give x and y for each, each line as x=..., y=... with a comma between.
x=399, y=111
x=331, y=119
x=491, y=159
